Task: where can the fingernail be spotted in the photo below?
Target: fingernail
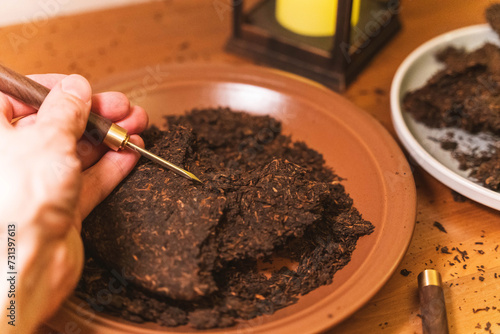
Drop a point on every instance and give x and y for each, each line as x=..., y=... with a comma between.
x=77, y=86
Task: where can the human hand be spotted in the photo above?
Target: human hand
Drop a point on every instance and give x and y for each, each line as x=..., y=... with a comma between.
x=50, y=179
x=108, y=167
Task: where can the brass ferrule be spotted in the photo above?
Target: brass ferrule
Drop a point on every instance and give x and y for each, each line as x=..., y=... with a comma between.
x=429, y=277
x=116, y=138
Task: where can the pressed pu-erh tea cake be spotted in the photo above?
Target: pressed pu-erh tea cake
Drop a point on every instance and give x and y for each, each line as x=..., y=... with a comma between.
x=191, y=252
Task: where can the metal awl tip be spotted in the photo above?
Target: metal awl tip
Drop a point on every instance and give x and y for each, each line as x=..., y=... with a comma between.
x=163, y=162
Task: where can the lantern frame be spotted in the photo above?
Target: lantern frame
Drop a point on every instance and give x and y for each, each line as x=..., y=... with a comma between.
x=259, y=36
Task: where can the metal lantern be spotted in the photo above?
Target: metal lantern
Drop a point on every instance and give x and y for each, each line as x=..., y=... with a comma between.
x=332, y=60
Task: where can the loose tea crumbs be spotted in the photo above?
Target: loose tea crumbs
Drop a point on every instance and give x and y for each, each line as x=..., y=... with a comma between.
x=405, y=272
x=458, y=197
x=191, y=252
x=445, y=250
x=439, y=226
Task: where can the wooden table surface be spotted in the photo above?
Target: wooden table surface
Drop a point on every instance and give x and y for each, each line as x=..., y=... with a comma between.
x=102, y=43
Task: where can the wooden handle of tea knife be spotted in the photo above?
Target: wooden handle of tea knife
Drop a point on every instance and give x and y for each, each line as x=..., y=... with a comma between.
x=432, y=303
x=32, y=93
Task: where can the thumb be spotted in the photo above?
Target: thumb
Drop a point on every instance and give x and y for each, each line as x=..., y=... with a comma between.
x=65, y=111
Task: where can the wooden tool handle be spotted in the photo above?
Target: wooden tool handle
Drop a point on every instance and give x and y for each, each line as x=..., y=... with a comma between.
x=32, y=93
x=432, y=303
x=433, y=310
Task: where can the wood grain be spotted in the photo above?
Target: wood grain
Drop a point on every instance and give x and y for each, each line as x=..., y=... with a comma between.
x=102, y=43
x=22, y=88
x=433, y=310
x=32, y=93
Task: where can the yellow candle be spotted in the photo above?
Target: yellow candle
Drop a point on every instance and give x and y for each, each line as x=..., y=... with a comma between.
x=311, y=17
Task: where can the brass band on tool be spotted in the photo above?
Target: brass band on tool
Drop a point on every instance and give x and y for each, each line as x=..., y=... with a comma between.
x=116, y=138
x=429, y=277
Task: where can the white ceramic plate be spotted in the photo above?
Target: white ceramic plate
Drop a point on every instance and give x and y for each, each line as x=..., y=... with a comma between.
x=413, y=73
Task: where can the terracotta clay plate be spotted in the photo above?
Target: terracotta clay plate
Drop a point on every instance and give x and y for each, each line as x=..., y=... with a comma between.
x=358, y=148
